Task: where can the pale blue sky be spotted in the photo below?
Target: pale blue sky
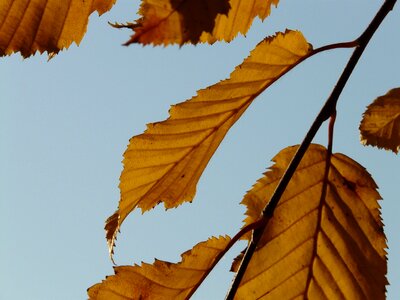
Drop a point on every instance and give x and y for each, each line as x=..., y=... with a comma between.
x=64, y=125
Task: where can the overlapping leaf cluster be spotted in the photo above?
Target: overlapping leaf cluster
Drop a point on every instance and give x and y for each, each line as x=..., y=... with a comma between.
x=312, y=248
x=164, y=164
x=325, y=239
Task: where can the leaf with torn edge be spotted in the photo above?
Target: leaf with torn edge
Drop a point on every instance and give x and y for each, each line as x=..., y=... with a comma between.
x=162, y=280
x=45, y=25
x=313, y=248
x=165, y=163
x=166, y=22
x=380, y=125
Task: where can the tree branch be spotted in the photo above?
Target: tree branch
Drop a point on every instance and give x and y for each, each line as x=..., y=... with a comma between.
x=326, y=112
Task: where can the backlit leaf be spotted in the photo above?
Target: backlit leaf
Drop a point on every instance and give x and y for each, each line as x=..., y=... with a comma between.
x=182, y=21
x=28, y=26
x=317, y=249
x=380, y=125
x=165, y=162
x=161, y=280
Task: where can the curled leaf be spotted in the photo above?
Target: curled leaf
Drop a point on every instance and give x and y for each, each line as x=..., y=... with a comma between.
x=380, y=125
x=165, y=163
x=193, y=21
x=313, y=248
x=161, y=280
x=45, y=25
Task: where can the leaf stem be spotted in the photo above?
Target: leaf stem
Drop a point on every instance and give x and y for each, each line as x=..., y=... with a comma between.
x=328, y=109
x=322, y=200
x=242, y=232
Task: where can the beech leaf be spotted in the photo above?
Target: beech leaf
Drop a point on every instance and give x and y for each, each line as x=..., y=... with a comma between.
x=165, y=163
x=161, y=280
x=313, y=248
x=193, y=21
x=380, y=125
x=28, y=26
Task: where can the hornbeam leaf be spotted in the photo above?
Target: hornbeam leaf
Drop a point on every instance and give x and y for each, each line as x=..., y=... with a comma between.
x=193, y=21
x=380, y=125
x=165, y=162
x=28, y=26
x=161, y=280
x=313, y=248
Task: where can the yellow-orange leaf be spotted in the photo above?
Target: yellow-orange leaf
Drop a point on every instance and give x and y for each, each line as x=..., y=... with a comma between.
x=161, y=280
x=165, y=162
x=380, y=125
x=182, y=21
x=28, y=26
x=313, y=248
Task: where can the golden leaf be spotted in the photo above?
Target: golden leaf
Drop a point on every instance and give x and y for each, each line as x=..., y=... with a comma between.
x=165, y=162
x=161, y=280
x=380, y=125
x=332, y=248
x=182, y=21
x=28, y=26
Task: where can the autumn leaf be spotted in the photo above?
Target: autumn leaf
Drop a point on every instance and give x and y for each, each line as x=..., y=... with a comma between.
x=313, y=248
x=45, y=25
x=162, y=280
x=380, y=125
x=165, y=162
x=183, y=21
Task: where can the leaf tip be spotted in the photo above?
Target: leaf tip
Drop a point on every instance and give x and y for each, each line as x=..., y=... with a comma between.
x=112, y=229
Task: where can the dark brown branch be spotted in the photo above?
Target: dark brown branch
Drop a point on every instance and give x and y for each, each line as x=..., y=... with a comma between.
x=326, y=112
x=261, y=221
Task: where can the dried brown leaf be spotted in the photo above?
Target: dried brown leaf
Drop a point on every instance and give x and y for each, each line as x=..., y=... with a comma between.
x=161, y=280
x=165, y=163
x=192, y=21
x=380, y=125
x=28, y=26
x=313, y=248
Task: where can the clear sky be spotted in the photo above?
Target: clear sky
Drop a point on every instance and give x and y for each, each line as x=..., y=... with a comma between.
x=65, y=124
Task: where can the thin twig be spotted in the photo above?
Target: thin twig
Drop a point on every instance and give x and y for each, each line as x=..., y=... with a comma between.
x=326, y=112
x=261, y=222
x=240, y=234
